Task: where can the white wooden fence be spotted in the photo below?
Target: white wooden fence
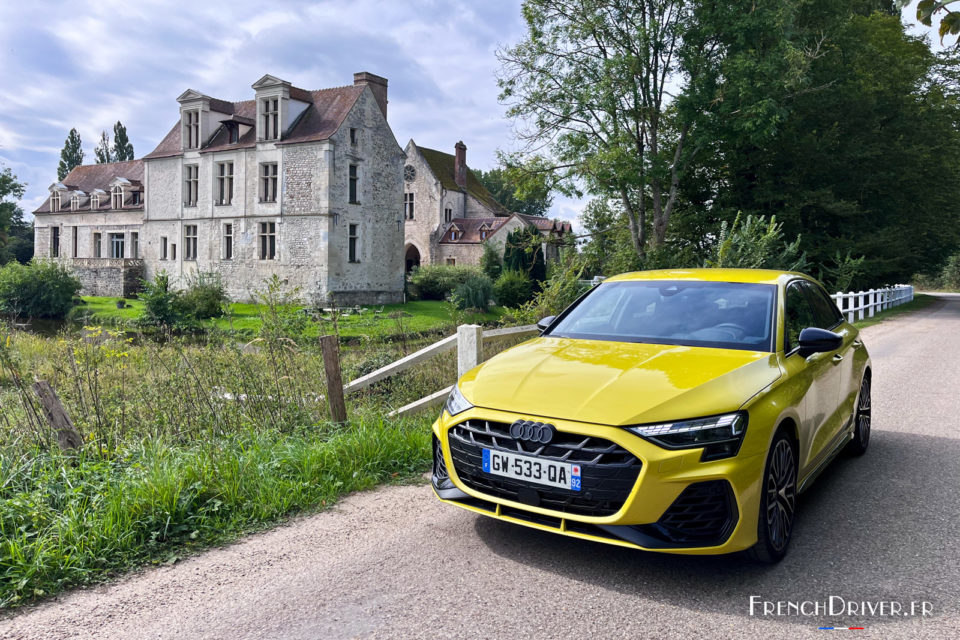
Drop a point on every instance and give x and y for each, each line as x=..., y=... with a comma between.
x=863, y=304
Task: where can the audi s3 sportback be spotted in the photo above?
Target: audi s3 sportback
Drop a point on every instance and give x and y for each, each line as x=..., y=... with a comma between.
x=672, y=411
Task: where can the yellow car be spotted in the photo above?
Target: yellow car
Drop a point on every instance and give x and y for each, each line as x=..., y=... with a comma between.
x=674, y=411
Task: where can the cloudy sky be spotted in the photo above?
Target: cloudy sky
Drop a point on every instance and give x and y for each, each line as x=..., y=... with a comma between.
x=88, y=64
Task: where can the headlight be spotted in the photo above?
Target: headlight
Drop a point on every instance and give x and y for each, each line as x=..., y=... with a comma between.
x=456, y=403
x=719, y=435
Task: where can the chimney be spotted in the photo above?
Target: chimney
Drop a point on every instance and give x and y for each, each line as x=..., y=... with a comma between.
x=460, y=165
x=377, y=84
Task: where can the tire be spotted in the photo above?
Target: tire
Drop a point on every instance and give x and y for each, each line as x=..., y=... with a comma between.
x=778, y=501
x=861, y=421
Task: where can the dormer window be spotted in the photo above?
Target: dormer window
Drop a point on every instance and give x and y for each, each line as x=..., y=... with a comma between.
x=74, y=202
x=55, y=201
x=116, y=197
x=191, y=129
x=135, y=198
x=94, y=202
x=270, y=114
x=233, y=132
x=484, y=233
x=454, y=234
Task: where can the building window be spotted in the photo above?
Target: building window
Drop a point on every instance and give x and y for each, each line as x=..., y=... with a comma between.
x=55, y=201
x=191, y=184
x=74, y=202
x=116, y=245
x=224, y=183
x=54, y=242
x=75, y=249
x=135, y=198
x=228, y=242
x=452, y=261
x=190, y=242
x=353, y=243
x=97, y=245
x=447, y=214
x=173, y=251
x=353, y=136
x=454, y=235
x=353, y=184
x=116, y=200
x=135, y=245
x=191, y=129
x=483, y=234
x=408, y=206
x=94, y=202
x=233, y=132
x=268, y=182
x=268, y=240
x=163, y=248
x=271, y=118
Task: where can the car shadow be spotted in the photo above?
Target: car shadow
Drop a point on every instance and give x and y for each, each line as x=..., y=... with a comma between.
x=880, y=527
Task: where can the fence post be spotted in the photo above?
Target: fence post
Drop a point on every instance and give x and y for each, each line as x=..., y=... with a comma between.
x=469, y=347
x=861, y=304
x=331, y=365
x=872, y=298
x=67, y=435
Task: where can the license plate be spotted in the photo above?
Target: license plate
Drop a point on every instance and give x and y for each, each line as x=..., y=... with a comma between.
x=536, y=470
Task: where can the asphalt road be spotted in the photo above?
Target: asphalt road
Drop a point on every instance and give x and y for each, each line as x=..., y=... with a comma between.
x=396, y=563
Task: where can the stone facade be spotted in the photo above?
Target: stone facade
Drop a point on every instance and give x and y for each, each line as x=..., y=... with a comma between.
x=330, y=225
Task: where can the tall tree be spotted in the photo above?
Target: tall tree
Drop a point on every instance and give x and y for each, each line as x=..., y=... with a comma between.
x=102, y=151
x=531, y=200
x=12, y=225
x=593, y=81
x=71, y=156
x=122, y=147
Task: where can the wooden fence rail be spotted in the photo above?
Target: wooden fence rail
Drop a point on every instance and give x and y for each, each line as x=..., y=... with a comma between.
x=860, y=304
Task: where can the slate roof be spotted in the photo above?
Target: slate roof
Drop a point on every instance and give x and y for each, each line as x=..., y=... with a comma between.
x=442, y=165
x=320, y=120
x=88, y=177
x=470, y=228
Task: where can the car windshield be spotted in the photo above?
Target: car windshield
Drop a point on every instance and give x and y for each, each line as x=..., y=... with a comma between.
x=727, y=315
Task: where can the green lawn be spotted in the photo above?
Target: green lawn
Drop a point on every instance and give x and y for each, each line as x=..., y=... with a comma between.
x=373, y=321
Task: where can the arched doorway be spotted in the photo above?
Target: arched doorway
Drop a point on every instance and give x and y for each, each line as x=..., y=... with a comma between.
x=412, y=258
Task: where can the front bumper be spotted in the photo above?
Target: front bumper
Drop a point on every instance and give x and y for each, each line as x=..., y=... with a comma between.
x=669, y=500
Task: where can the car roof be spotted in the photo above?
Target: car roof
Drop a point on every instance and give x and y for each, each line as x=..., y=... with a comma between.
x=762, y=276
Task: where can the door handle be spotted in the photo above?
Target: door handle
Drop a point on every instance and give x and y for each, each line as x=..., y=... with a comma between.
x=857, y=344
x=837, y=358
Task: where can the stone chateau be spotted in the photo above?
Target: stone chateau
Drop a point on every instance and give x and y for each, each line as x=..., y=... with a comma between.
x=310, y=186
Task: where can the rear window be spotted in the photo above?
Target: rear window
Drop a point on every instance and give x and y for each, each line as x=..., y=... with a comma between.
x=725, y=315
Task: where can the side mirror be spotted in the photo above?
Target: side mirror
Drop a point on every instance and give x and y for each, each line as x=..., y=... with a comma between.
x=546, y=322
x=814, y=340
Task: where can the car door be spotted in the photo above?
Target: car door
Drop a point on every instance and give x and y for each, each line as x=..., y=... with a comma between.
x=817, y=373
x=829, y=317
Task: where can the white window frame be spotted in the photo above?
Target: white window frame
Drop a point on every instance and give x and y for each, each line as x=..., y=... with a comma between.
x=191, y=129
x=116, y=197
x=267, y=231
x=269, y=181
x=270, y=118
x=190, y=243
x=224, y=194
x=191, y=184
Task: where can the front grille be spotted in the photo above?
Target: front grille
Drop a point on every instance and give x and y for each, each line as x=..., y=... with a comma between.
x=608, y=471
x=703, y=514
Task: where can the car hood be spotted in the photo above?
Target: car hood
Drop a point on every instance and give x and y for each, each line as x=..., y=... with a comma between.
x=618, y=383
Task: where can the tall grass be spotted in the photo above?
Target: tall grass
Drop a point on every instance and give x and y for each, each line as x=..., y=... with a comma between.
x=71, y=519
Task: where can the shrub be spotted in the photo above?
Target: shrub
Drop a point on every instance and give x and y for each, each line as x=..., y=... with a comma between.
x=474, y=293
x=512, y=289
x=926, y=282
x=161, y=306
x=490, y=262
x=40, y=289
x=558, y=293
x=842, y=273
x=524, y=252
x=437, y=281
x=950, y=276
x=204, y=297
x=756, y=243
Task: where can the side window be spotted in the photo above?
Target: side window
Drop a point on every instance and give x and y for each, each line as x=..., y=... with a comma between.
x=799, y=315
x=825, y=312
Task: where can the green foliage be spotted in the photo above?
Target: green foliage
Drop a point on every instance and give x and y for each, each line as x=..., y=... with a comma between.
x=71, y=155
x=473, y=293
x=204, y=297
x=102, y=152
x=519, y=196
x=16, y=235
x=437, y=281
x=513, y=289
x=40, y=289
x=122, y=147
x=756, y=243
x=841, y=272
x=949, y=19
x=950, y=276
x=159, y=302
x=558, y=293
x=490, y=262
x=523, y=252
x=281, y=313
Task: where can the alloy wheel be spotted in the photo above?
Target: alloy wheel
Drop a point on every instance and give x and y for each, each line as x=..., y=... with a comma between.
x=781, y=494
x=863, y=413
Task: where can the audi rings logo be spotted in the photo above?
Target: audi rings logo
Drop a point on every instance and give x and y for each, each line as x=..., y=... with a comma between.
x=530, y=431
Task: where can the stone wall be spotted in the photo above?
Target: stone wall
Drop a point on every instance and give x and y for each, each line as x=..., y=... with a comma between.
x=106, y=277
